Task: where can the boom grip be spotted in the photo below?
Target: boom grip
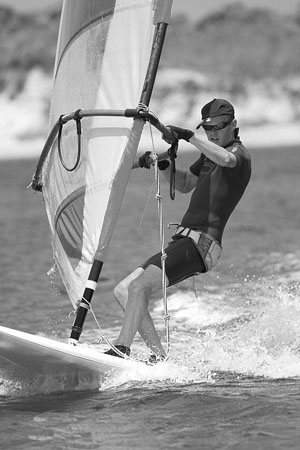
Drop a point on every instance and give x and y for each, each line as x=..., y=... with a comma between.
x=167, y=133
x=152, y=118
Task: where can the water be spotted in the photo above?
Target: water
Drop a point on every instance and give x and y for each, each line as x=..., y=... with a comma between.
x=232, y=381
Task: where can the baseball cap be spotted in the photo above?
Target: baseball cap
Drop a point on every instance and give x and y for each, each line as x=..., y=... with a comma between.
x=217, y=107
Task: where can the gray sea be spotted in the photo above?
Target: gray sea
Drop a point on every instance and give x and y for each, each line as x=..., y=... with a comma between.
x=233, y=378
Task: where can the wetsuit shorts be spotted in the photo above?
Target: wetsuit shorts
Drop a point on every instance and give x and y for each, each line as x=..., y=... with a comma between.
x=183, y=260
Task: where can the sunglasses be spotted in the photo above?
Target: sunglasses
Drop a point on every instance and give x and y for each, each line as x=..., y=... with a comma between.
x=218, y=126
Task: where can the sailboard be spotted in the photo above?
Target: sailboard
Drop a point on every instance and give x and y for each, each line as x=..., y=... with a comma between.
x=107, y=57
x=40, y=354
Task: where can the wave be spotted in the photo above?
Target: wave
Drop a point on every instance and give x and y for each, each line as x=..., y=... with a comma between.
x=243, y=330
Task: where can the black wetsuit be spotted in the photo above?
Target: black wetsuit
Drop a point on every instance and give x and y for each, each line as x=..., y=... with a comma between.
x=217, y=192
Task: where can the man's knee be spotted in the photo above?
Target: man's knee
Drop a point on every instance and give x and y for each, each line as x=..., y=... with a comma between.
x=121, y=289
x=136, y=286
x=147, y=283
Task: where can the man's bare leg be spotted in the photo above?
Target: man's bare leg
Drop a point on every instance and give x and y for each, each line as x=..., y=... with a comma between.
x=138, y=286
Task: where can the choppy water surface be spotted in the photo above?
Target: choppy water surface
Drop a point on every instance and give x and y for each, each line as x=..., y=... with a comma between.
x=232, y=381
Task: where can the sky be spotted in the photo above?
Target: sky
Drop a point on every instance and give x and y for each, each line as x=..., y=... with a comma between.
x=196, y=8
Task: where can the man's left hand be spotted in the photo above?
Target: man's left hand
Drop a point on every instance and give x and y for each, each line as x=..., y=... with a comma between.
x=181, y=133
x=146, y=160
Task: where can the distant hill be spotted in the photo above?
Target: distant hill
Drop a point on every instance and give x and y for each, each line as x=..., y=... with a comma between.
x=26, y=41
x=236, y=43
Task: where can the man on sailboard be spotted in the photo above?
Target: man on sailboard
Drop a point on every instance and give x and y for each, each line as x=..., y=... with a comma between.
x=218, y=179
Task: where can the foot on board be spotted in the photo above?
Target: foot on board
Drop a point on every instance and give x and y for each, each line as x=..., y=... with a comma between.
x=122, y=348
x=154, y=359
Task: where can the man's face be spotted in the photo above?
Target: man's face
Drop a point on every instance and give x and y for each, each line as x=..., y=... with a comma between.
x=223, y=136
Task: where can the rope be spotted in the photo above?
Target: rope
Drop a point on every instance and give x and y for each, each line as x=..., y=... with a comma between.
x=102, y=338
x=158, y=197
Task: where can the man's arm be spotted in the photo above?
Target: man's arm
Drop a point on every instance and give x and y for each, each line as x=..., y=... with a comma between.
x=214, y=152
x=185, y=180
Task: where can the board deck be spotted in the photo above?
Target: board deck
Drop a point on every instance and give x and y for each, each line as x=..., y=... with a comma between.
x=46, y=355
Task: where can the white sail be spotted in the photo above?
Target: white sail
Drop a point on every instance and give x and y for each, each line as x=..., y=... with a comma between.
x=103, y=53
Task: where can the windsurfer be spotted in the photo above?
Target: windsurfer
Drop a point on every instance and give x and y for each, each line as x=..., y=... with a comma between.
x=219, y=178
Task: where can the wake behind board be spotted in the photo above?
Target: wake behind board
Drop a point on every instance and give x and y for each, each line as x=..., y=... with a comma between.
x=46, y=355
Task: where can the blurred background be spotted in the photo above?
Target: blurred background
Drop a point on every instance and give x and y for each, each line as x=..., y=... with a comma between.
x=246, y=51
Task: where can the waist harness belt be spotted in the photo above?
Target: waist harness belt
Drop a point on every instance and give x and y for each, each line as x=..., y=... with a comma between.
x=210, y=250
